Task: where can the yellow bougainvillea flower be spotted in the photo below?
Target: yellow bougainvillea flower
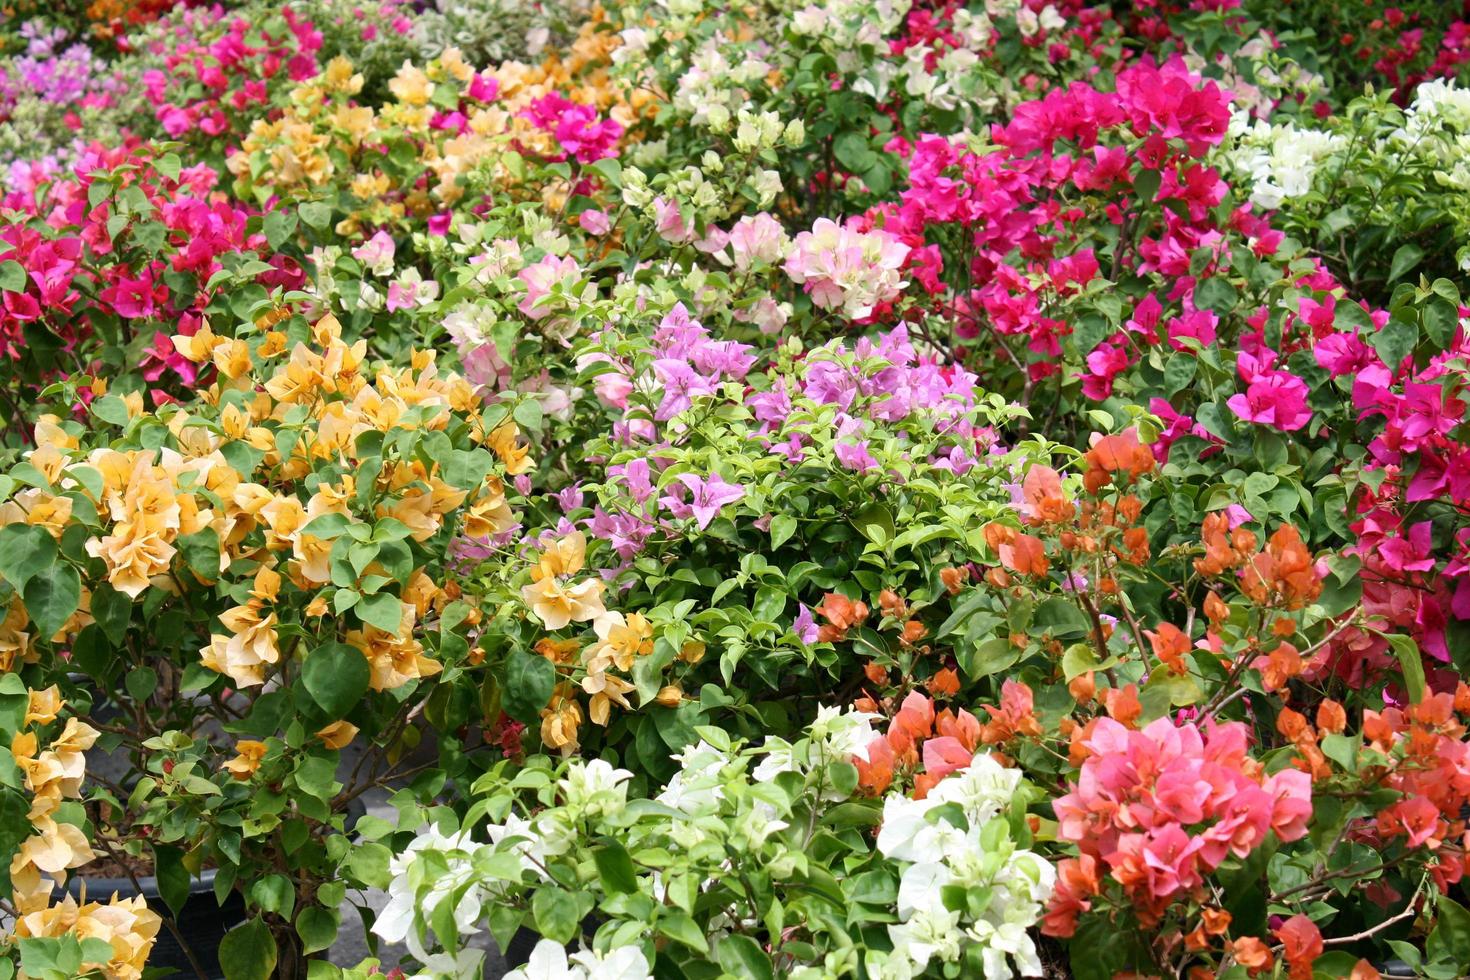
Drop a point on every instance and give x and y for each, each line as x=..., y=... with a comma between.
x=556, y=604
x=337, y=734
x=565, y=556
x=45, y=705
x=606, y=690
x=55, y=847
x=560, y=720
x=411, y=86
x=248, y=754
x=621, y=640
x=503, y=442
x=251, y=646
x=394, y=659
x=489, y=514
x=127, y=926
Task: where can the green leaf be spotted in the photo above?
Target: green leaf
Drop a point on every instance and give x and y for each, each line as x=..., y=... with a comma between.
x=385, y=611
x=875, y=522
x=25, y=549
x=770, y=602
x=280, y=226
x=201, y=553
x=615, y=868
x=112, y=610
x=1451, y=936
x=683, y=929
x=744, y=957
x=111, y=409
x=528, y=414
x=852, y=151
x=248, y=952
x=336, y=676
x=648, y=671
x=274, y=893
x=783, y=526
x=12, y=276
x=1146, y=185
x=962, y=612
x=1216, y=294
x=316, y=214
x=1179, y=372
x=1404, y=258
x=141, y=682
x=1440, y=317
x=173, y=877
x=555, y=910
x=990, y=656
x=51, y=595
x=529, y=681
x=317, y=928
x=368, y=863
x=1395, y=342
x=1411, y=664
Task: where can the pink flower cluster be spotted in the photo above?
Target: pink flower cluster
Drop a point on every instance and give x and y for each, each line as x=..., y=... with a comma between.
x=844, y=268
x=79, y=263
x=582, y=134
x=214, y=87
x=1163, y=807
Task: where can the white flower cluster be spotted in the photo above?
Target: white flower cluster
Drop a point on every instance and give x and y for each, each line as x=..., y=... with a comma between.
x=981, y=856
x=713, y=88
x=419, y=886
x=1436, y=130
x=1281, y=161
x=843, y=26
x=733, y=807
x=549, y=961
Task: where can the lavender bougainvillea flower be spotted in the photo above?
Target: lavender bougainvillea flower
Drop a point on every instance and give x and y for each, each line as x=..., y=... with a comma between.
x=708, y=497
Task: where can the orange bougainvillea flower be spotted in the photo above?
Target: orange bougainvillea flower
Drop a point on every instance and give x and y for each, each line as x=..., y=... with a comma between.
x=1283, y=573
x=1252, y=954
x=1302, y=944
x=875, y=771
x=1331, y=717
x=1020, y=553
x=1279, y=666
x=1014, y=716
x=961, y=726
x=1170, y=644
x=945, y=683
x=1123, y=704
x=1225, y=548
x=1115, y=456
x=954, y=579
x=841, y=614
x=1041, y=497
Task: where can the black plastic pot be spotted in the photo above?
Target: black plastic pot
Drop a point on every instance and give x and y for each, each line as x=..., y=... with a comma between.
x=202, y=922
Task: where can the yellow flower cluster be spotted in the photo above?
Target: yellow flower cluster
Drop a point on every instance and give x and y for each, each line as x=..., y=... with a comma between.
x=557, y=601
x=52, y=775
x=294, y=413
x=324, y=136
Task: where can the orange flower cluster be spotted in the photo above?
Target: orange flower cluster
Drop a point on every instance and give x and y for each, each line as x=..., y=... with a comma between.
x=842, y=614
x=1283, y=574
x=1019, y=552
x=1116, y=460
x=915, y=723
